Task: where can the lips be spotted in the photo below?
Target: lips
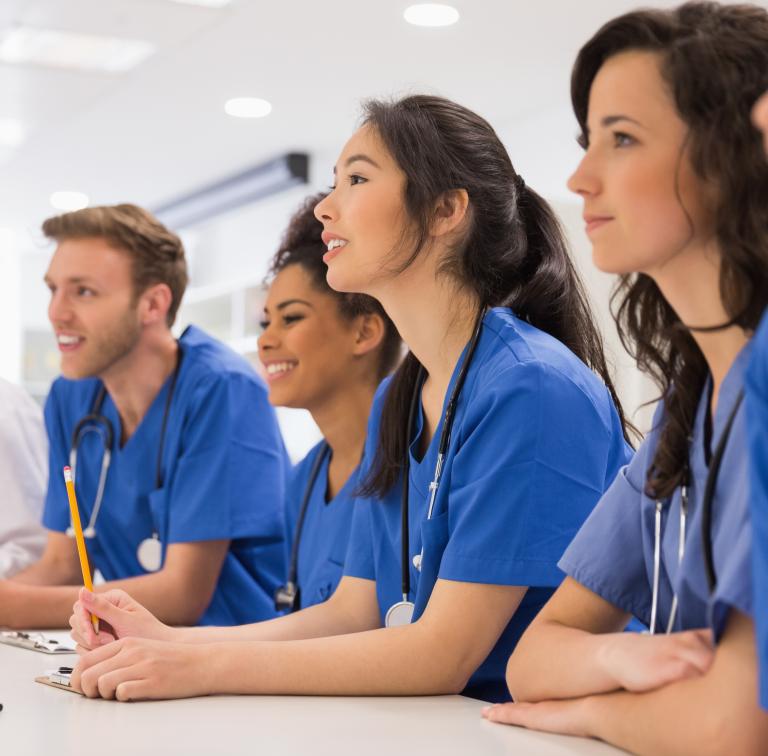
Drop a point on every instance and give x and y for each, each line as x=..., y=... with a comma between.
x=594, y=222
x=277, y=369
x=68, y=342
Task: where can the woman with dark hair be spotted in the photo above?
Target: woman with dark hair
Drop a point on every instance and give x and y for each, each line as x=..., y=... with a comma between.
x=326, y=352
x=485, y=452
x=675, y=192
x=757, y=426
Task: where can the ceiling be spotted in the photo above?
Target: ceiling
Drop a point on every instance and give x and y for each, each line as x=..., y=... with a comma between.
x=160, y=130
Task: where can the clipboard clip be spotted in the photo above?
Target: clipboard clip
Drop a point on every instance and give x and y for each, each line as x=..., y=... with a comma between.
x=33, y=642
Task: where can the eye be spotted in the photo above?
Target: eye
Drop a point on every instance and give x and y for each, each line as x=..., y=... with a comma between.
x=289, y=319
x=263, y=325
x=622, y=139
x=355, y=179
x=84, y=291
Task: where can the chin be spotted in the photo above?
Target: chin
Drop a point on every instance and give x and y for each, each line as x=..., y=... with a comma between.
x=607, y=261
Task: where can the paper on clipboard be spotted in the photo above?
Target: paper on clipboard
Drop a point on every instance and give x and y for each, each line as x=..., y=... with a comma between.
x=45, y=643
x=58, y=678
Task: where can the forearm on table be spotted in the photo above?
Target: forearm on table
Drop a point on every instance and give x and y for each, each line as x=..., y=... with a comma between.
x=394, y=661
x=50, y=572
x=317, y=621
x=174, y=599
x=714, y=713
x=681, y=718
x=553, y=661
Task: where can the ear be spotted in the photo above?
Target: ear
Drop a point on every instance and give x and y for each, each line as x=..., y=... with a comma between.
x=369, y=333
x=154, y=304
x=450, y=211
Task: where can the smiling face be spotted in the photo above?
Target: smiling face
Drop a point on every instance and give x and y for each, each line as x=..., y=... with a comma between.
x=307, y=346
x=92, y=307
x=643, y=205
x=364, y=216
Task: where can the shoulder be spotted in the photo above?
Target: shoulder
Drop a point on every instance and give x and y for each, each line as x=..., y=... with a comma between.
x=210, y=365
x=70, y=398
x=757, y=374
x=520, y=361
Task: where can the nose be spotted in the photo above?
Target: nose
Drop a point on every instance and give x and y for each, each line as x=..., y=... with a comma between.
x=268, y=339
x=583, y=181
x=325, y=210
x=59, y=311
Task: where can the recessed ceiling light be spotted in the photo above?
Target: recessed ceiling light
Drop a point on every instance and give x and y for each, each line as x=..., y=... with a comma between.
x=247, y=107
x=58, y=49
x=204, y=3
x=11, y=132
x=68, y=201
x=431, y=14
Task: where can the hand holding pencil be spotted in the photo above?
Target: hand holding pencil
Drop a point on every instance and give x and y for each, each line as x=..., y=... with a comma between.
x=82, y=553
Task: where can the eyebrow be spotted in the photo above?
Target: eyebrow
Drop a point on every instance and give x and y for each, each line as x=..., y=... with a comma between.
x=289, y=302
x=74, y=280
x=359, y=157
x=611, y=119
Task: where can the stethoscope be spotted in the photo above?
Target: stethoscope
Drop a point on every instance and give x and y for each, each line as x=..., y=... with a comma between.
x=288, y=596
x=401, y=613
x=150, y=550
x=706, y=525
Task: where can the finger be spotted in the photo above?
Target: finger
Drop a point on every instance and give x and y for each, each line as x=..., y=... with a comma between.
x=81, y=624
x=132, y=690
x=108, y=682
x=90, y=679
x=508, y=713
x=102, y=653
x=102, y=605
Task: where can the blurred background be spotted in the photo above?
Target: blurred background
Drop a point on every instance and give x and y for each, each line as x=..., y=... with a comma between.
x=221, y=115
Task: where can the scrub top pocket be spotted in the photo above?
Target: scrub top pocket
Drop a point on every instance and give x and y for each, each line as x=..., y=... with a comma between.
x=434, y=538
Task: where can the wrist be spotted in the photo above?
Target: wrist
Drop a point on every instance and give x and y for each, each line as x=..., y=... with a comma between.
x=606, y=660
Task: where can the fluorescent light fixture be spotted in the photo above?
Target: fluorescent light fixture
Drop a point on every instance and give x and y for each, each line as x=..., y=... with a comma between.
x=431, y=14
x=204, y=3
x=58, y=49
x=247, y=107
x=12, y=132
x=67, y=201
x=242, y=189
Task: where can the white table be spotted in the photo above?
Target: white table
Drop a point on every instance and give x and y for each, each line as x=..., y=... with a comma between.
x=38, y=720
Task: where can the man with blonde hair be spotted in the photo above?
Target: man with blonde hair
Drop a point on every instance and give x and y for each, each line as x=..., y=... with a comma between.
x=177, y=457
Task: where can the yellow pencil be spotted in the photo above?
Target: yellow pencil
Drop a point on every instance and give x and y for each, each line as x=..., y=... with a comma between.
x=82, y=553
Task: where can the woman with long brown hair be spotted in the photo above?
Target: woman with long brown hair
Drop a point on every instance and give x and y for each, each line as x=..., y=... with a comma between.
x=675, y=192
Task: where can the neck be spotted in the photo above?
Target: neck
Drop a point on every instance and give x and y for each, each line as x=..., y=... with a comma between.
x=343, y=421
x=434, y=317
x=134, y=382
x=693, y=291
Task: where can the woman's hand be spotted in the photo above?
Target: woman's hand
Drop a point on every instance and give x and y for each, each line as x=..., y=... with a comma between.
x=124, y=618
x=639, y=662
x=135, y=669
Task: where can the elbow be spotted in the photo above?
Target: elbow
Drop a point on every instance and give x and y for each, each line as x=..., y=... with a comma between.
x=518, y=677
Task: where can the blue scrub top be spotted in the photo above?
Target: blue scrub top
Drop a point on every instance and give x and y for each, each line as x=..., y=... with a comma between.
x=325, y=533
x=535, y=442
x=612, y=554
x=757, y=430
x=223, y=471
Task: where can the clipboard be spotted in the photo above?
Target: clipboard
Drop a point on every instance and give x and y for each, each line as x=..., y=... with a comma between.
x=58, y=678
x=54, y=643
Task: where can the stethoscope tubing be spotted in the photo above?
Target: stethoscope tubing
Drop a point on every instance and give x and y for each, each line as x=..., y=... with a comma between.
x=706, y=524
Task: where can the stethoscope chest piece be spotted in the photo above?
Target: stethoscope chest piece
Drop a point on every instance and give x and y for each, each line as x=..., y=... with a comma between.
x=399, y=614
x=150, y=554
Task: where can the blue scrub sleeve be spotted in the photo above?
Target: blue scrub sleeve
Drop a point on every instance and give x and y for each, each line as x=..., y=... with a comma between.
x=606, y=555
x=530, y=466
x=229, y=480
x=359, y=561
x=757, y=427
x=56, y=509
